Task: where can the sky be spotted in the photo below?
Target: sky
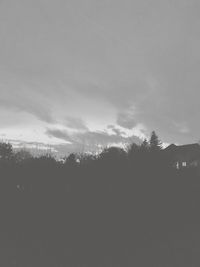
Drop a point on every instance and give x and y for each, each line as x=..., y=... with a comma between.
x=78, y=75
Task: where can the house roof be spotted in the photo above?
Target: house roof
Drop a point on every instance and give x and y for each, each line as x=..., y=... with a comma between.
x=183, y=148
x=171, y=147
x=184, y=152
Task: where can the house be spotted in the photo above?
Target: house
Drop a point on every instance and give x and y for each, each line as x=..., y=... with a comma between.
x=184, y=156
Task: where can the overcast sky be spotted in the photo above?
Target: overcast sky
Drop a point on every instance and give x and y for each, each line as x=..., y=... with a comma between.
x=97, y=72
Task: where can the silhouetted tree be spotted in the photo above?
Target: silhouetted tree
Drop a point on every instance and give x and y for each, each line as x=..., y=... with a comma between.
x=145, y=145
x=6, y=151
x=111, y=154
x=46, y=159
x=22, y=155
x=155, y=144
x=133, y=154
x=86, y=159
x=71, y=160
x=133, y=149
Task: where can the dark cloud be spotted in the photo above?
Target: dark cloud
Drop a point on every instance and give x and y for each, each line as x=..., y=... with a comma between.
x=32, y=106
x=40, y=112
x=75, y=123
x=126, y=120
x=63, y=135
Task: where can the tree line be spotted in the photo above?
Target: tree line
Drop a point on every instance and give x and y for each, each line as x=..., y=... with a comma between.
x=7, y=153
x=118, y=208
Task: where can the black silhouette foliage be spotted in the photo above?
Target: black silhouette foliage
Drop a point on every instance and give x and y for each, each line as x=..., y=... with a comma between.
x=119, y=208
x=154, y=143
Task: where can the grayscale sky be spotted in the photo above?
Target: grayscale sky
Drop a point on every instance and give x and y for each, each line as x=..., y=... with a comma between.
x=86, y=73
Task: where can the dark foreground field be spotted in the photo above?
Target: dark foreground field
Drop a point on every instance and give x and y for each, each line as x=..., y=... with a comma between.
x=54, y=216
x=111, y=210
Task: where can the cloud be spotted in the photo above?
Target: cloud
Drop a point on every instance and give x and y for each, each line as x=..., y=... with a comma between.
x=91, y=140
x=125, y=62
x=75, y=123
x=63, y=135
x=126, y=119
x=38, y=111
x=116, y=130
x=30, y=103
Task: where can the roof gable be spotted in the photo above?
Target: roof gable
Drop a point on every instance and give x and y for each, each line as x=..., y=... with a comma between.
x=184, y=152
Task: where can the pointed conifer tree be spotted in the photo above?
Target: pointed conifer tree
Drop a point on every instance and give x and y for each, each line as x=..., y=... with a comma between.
x=154, y=143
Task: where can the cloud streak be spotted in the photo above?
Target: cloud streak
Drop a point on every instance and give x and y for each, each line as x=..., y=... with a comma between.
x=91, y=140
x=75, y=123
